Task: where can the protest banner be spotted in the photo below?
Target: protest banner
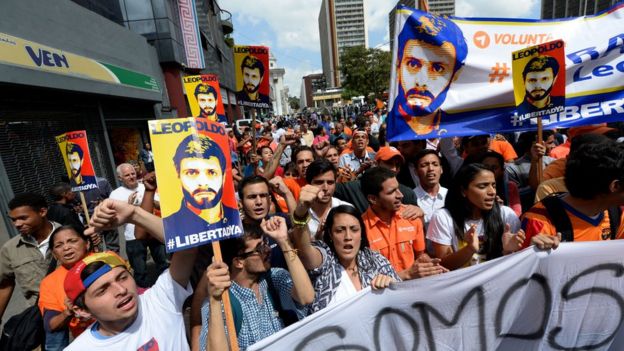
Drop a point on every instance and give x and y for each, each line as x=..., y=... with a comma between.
x=74, y=148
x=204, y=97
x=539, y=89
x=453, y=76
x=75, y=151
x=197, y=200
x=251, y=64
x=196, y=189
x=568, y=299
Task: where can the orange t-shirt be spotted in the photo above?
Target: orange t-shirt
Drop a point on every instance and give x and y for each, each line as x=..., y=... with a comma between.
x=504, y=148
x=52, y=298
x=536, y=221
x=399, y=242
x=295, y=185
x=561, y=151
x=555, y=169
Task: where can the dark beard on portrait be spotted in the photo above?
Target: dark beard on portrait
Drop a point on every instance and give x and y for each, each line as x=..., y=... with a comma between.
x=208, y=111
x=541, y=96
x=250, y=88
x=188, y=198
x=407, y=109
x=210, y=116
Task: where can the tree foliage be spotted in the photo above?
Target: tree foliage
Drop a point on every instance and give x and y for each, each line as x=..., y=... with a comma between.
x=294, y=103
x=365, y=72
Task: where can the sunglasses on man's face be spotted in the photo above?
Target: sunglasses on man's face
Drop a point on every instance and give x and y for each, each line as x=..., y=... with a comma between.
x=261, y=249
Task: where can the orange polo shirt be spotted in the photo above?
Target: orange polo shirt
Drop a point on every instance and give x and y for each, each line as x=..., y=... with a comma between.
x=398, y=242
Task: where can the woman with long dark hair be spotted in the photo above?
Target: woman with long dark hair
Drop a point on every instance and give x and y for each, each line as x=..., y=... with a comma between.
x=341, y=264
x=506, y=190
x=472, y=227
x=68, y=245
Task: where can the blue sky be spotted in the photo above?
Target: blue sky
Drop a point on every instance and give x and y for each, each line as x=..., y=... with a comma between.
x=290, y=27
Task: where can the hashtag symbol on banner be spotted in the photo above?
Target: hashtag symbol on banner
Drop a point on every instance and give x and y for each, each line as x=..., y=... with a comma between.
x=515, y=120
x=499, y=72
x=170, y=244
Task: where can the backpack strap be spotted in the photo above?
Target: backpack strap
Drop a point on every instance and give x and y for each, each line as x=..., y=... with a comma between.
x=237, y=311
x=558, y=216
x=615, y=214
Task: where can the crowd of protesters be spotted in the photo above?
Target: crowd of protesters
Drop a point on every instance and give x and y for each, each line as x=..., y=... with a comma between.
x=329, y=207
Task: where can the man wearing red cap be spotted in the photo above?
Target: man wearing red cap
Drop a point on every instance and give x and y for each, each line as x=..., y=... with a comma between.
x=101, y=287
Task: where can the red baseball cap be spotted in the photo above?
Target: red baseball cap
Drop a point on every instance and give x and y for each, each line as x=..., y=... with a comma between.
x=74, y=285
x=387, y=153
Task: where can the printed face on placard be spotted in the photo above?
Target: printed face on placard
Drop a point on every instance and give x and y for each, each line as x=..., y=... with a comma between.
x=425, y=72
x=75, y=163
x=202, y=181
x=539, y=84
x=74, y=148
x=204, y=98
x=207, y=104
x=251, y=79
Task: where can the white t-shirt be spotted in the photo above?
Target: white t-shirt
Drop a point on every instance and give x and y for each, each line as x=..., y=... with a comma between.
x=159, y=324
x=278, y=134
x=441, y=230
x=315, y=221
x=374, y=128
x=345, y=289
x=122, y=193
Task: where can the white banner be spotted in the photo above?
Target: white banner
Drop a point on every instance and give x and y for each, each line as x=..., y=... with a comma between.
x=569, y=298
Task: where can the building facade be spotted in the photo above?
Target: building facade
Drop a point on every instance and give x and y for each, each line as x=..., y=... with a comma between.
x=106, y=67
x=279, y=92
x=573, y=8
x=342, y=24
x=309, y=85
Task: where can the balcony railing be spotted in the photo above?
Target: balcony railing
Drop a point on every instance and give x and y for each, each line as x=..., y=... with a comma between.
x=226, y=22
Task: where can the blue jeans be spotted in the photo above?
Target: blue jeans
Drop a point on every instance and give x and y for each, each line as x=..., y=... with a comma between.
x=137, y=255
x=157, y=250
x=56, y=341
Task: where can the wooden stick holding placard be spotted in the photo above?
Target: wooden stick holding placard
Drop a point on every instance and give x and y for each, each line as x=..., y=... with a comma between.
x=253, y=131
x=540, y=164
x=96, y=248
x=229, y=317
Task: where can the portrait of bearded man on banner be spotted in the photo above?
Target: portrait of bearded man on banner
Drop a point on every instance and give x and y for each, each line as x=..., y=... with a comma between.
x=201, y=168
x=75, y=157
x=207, y=100
x=539, y=76
x=431, y=50
x=253, y=72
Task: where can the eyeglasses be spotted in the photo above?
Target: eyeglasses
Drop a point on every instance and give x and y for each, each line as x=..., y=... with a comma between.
x=261, y=249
